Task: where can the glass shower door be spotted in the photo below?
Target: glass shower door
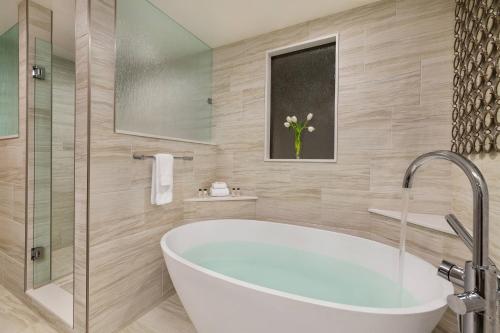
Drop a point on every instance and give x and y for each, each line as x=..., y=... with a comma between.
x=43, y=164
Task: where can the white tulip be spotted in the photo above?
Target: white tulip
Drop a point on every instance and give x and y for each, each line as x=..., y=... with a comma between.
x=309, y=116
x=288, y=119
x=287, y=124
x=294, y=119
x=311, y=129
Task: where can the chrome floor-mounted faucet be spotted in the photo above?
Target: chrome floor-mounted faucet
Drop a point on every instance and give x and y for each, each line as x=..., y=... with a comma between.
x=477, y=306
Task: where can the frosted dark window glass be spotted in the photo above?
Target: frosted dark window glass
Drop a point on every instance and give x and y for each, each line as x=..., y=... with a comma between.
x=163, y=75
x=303, y=82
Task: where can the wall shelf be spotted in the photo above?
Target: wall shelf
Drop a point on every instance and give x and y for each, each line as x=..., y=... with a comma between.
x=428, y=221
x=228, y=198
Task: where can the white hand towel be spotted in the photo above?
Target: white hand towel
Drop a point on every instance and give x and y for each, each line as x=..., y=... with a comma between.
x=219, y=192
x=162, y=180
x=219, y=185
x=166, y=168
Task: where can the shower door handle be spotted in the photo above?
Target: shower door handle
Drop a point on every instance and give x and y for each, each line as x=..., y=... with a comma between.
x=38, y=72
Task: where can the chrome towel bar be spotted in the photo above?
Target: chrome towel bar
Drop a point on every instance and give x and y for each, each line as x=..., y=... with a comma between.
x=143, y=157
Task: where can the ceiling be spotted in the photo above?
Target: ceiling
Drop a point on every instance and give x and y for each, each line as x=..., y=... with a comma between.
x=220, y=22
x=63, y=34
x=8, y=14
x=63, y=26
x=216, y=22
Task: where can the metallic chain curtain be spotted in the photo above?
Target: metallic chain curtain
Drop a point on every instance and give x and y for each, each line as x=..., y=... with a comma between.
x=476, y=82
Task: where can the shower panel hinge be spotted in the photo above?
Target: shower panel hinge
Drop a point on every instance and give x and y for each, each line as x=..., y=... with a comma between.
x=210, y=101
x=38, y=73
x=36, y=253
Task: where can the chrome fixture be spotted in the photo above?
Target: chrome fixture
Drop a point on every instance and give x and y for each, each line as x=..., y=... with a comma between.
x=36, y=253
x=477, y=306
x=38, y=72
x=143, y=157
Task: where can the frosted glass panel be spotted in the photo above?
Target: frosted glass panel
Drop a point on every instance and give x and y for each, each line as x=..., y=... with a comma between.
x=9, y=82
x=43, y=163
x=163, y=75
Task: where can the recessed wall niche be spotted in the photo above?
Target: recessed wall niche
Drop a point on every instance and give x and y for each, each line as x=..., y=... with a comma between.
x=476, y=81
x=301, y=101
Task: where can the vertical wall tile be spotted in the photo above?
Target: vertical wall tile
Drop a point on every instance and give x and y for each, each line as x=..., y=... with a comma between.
x=126, y=270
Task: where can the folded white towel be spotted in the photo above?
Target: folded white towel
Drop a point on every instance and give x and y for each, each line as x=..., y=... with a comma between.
x=219, y=192
x=162, y=180
x=219, y=185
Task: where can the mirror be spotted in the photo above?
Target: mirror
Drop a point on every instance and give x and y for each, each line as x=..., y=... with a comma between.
x=301, y=101
x=163, y=76
x=9, y=70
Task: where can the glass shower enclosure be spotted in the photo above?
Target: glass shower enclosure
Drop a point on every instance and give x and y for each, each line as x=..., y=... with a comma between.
x=41, y=255
x=53, y=210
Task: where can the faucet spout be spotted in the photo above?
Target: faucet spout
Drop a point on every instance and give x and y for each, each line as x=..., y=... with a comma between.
x=479, y=192
x=477, y=306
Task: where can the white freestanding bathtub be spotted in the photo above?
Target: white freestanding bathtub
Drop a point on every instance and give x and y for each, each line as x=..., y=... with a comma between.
x=217, y=303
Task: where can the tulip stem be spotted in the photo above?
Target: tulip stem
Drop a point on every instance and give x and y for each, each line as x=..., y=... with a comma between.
x=298, y=143
x=298, y=127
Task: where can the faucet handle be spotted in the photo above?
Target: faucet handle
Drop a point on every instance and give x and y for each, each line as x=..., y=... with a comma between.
x=460, y=230
x=466, y=303
x=452, y=273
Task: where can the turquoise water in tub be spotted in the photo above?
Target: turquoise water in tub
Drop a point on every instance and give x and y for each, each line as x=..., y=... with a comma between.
x=301, y=273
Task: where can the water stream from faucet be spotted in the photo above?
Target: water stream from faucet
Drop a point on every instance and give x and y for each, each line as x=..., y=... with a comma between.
x=402, y=237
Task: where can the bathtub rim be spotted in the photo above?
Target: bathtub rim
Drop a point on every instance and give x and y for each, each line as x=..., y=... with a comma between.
x=431, y=306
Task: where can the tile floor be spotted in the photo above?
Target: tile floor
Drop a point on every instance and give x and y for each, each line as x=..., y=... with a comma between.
x=167, y=317
x=16, y=317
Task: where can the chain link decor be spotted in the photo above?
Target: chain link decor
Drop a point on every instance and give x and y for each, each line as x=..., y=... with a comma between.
x=476, y=81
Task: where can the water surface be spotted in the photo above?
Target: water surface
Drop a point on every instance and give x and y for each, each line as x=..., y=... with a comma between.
x=301, y=273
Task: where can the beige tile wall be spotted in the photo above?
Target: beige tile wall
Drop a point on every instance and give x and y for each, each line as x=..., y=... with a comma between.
x=82, y=110
x=126, y=269
x=394, y=104
x=125, y=266
x=394, y=93
x=199, y=211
